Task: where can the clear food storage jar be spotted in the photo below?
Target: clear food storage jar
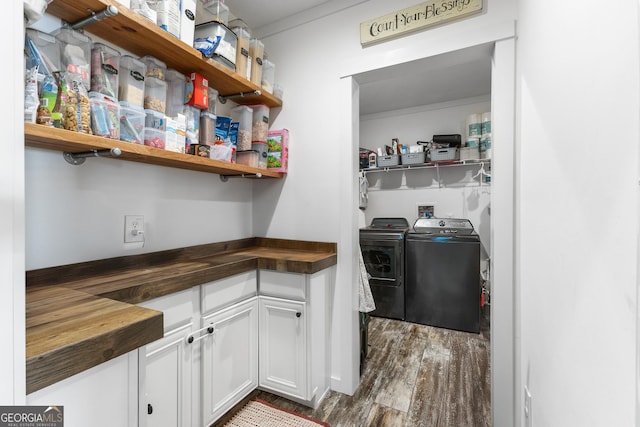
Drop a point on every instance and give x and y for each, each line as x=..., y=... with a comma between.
x=175, y=92
x=132, y=121
x=248, y=158
x=207, y=128
x=43, y=51
x=256, y=52
x=155, y=120
x=244, y=116
x=268, y=75
x=132, y=72
x=260, y=124
x=75, y=54
x=242, y=52
x=155, y=94
x=105, y=115
x=225, y=53
x=105, y=66
x=213, y=100
x=155, y=67
x=218, y=9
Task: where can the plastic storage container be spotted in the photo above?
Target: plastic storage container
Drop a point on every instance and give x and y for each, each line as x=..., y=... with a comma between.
x=175, y=92
x=155, y=67
x=260, y=123
x=268, y=75
x=132, y=72
x=155, y=138
x=45, y=50
x=443, y=154
x=262, y=148
x=278, y=91
x=225, y=53
x=388, y=160
x=105, y=115
x=244, y=116
x=132, y=121
x=249, y=158
x=218, y=9
x=207, y=128
x=154, y=119
x=155, y=94
x=256, y=52
x=213, y=100
x=75, y=54
x=413, y=158
x=242, y=52
x=105, y=67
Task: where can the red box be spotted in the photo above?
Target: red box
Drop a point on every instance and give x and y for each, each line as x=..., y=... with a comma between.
x=196, y=93
x=278, y=150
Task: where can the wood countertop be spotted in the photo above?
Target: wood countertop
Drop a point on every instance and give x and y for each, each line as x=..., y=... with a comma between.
x=81, y=315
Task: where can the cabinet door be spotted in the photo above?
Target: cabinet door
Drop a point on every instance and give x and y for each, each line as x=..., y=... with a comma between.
x=230, y=358
x=165, y=381
x=283, y=346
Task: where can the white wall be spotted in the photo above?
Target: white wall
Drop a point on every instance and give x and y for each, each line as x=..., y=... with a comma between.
x=316, y=198
x=12, y=312
x=76, y=213
x=577, y=86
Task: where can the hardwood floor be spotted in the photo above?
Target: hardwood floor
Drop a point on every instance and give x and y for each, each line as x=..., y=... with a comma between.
x=414, y=375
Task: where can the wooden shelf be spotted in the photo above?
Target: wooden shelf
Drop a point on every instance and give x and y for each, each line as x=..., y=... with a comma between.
x=140, y=36
x=39, y=136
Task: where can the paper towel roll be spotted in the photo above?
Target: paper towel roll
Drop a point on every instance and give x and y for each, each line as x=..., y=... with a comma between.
x=473, y=125
x=486, y=123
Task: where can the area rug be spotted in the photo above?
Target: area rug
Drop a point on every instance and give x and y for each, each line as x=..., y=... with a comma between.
x=260, y=413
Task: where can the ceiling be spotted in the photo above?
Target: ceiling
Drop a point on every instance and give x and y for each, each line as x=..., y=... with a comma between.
x=448, y=77
x=461, y=74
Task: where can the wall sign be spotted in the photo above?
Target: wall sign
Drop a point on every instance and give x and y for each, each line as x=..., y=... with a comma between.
x=415, y=18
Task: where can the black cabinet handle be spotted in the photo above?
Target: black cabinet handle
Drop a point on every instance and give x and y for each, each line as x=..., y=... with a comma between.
x=190, y=340
x=298, y=314
x=210, y=329
x=149, y=409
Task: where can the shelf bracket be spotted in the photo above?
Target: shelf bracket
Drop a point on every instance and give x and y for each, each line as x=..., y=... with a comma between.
x=110, y=10
x=225, y=178
x=79, y=158
x=223, y=98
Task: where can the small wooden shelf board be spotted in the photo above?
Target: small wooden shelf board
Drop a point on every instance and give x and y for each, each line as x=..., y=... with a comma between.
x=39, y=136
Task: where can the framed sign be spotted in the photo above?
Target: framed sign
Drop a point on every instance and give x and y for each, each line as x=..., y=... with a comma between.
x=416, y=18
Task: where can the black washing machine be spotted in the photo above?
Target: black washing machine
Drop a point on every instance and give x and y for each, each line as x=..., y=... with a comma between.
x=443, y=274
x=382, y=245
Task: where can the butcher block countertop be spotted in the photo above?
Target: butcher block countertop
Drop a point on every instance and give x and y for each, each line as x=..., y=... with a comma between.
x=81, y=315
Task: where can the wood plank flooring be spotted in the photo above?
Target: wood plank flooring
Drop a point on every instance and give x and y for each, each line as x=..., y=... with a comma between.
x=414, y=376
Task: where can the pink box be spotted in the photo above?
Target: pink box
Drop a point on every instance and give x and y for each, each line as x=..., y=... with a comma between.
x=278, y=150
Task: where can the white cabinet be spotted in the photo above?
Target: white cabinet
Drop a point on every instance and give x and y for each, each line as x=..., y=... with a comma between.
x=165, y=368
x=230, y=358
x=167, y=381
x=294, y=334
x=283, y=347
x=103, y=396
x=223, y=340
x=207, y=360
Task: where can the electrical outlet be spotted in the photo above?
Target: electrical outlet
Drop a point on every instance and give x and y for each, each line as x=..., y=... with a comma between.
x=133, y=228
x=527, y=407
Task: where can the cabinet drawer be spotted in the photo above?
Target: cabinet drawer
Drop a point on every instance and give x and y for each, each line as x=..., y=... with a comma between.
x=224, y=292
x=177, y=308
x=283, y=285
